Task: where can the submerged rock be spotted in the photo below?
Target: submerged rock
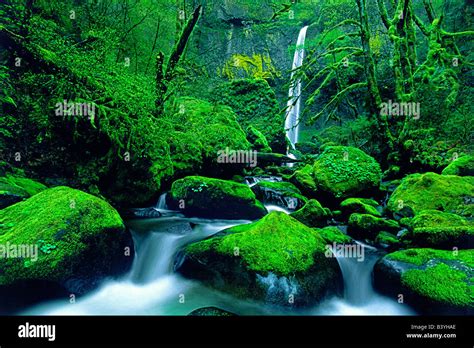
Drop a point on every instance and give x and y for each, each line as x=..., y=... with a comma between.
x=67, y=237
x=432, y=281
x=344, y=171
x=276, y=259
x=433, y=228
x=449, y=193
x=215, y=198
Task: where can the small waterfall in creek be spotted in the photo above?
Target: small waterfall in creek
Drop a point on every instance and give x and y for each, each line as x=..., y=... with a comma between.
x=294, y=103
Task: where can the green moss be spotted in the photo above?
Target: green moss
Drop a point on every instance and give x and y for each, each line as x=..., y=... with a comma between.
x=332, y=234
x=462, y=166
x=286, y=189
x=345, y=171
x=420, y=256
x=433, y=228
x=312, y=214
x=419, y=192
x=20, y=186
x=258, y=140
x=277, y=243
x=303, y=179
x=385, y=238
x=360, y=205
x=64, y=223
x=368, y=226
x=210, y=197
x=440, y=283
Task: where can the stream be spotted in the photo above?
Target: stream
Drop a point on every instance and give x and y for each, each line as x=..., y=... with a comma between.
x=153, y=288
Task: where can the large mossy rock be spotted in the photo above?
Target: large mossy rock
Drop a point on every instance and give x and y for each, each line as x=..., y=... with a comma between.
x=215, y=198
x=344, y=171
x=280, y=193
x=304, y=180
x=366, y=226
x=255, y=103
x=312, y=214
x=269, y=260
x=79, y=239
x=433, y=281
x=14, y=189
x=463, y=166
x=436, y=229
x=417, y=192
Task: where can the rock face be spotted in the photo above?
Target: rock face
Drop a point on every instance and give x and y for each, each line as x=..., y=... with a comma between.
x=69, y=238
x=276, y=259
x=463, y=166
x=344, y=171
x=417, y=192
x=436, y=229
x=312, y=214
x=432, y=281
x=214, y=198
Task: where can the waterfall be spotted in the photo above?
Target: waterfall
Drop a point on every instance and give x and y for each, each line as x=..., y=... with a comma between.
x=294, y=102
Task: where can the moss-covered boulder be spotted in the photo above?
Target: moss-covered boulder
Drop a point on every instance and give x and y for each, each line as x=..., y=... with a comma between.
x=279, y=192
x=276, y=259
x=387, y=240
x=359, y=205
x=303, y=179
x=215, y=198
x=433, y=281
x=332, y=234
x=366, y=226
x=69, y=237
x=463, y=166
x=14, y=189
x=436, y=229
x=312, y=214
x=344, y=171
x=417, y=192
x=258, y=140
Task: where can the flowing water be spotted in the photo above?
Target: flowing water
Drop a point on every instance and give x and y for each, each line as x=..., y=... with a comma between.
x=294, y=102
x=153, y=288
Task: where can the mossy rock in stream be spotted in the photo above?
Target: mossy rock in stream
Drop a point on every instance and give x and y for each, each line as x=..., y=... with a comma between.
x=267, y=260
x=345, y=171
x=279, y=192
x=211, y=312
x=312, y=214
x=359, y=205
x=304, y=180
x=78, y=238
x=332, y=234
x=14, y=189
x=214, y=198
x=436, y=229
x=366, y=226
x=463, y=166
x=431, y=191
x=432, y=281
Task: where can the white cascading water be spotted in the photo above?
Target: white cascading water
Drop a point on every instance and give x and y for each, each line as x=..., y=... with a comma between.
x=294, y=102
